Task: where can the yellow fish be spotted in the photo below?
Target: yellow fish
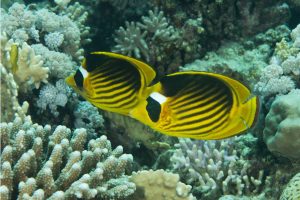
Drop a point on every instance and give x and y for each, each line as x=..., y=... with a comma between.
x=198, y=105
x=14, y=53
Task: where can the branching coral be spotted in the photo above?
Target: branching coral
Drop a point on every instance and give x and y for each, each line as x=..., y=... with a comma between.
x=157, y=25
x=27, y=67
x=78, y=14
x=153, y=39
x=9, y=93
x=30, y=67
x=130, y=41
x=215, y=167
x=291, y=192
x=39, y=163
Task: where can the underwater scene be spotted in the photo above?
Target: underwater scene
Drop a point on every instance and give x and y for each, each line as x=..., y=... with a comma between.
x=150, y=100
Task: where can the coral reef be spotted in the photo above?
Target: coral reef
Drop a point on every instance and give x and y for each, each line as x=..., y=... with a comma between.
x=291, y=192
x=282, y=129
x=65, y=148
x=155, y=40
x=229, y=18
x=131, y=130
x=273, y=81
x=52, y=96
x=283, y=73
x=60, y=65
x=246, y=66
x=160, y=185
x=27, y=67
x=215, y=167
x=87, y=116
x=39, y=163
x=9, y=94
x=35, y=26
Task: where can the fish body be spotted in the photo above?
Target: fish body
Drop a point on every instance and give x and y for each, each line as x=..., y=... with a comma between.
x=198, y=105
x=14, y=53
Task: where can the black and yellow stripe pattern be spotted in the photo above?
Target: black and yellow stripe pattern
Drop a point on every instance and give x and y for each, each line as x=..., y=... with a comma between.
x=201, y=105
x=114, y=83
x=198, y=105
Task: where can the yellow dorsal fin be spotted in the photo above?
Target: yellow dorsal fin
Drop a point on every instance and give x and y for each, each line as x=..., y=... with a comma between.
x=147, y=71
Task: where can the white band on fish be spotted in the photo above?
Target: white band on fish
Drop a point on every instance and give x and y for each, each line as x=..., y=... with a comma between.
x=158, y=97
x=83, y=72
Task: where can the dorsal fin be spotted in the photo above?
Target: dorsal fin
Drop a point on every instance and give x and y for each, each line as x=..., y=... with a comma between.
x=97, y=59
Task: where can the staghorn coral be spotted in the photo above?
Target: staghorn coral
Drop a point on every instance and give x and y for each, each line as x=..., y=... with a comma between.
x=291, y=192
x=216, y=167
x=282, y=129
x=9, y=97
x=60, y=164
x=78, y=14
x=153, y=39
x=160, y=184
x=130, y=41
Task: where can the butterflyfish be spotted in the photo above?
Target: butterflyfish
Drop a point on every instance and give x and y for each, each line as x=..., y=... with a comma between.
x=199, y=105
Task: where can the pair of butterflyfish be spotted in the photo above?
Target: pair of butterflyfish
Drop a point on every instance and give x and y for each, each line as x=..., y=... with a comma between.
x=192, y=104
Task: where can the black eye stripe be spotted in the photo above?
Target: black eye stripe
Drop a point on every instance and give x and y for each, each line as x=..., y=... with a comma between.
x=78, y=77
x=153, y=108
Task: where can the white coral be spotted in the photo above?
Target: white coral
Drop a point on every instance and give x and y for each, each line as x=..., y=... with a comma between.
x=30, y=67
x=39, y=164
x=53, y=96
x=214, y=166
x=60, y=64
x=54, y=40
x=292, y=65
x=295, y=35
x=273, y=81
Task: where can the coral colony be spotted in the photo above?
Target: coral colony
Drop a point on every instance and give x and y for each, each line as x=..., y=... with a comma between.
x=56, y=145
